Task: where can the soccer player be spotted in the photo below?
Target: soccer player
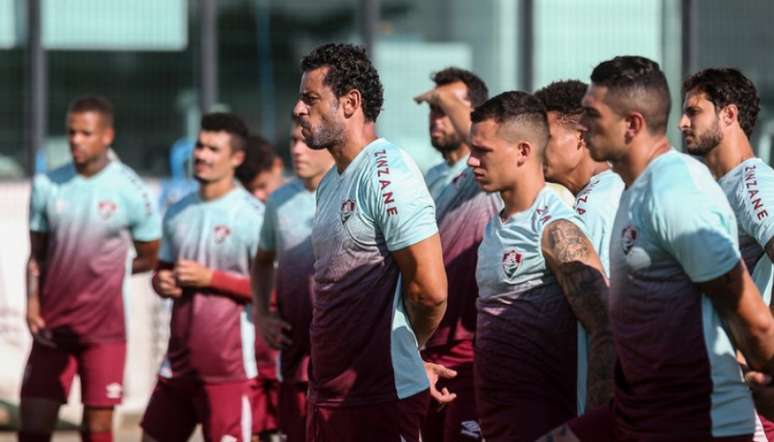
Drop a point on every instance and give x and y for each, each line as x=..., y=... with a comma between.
x=380, y=285
x=449, y=124
x=209, y=240
x=538, y=276
x=286, y=240
x=675, y=272
x=462, y=211
x=261, y=173
x=596, y=188
x=84, y=217
x=720, y=107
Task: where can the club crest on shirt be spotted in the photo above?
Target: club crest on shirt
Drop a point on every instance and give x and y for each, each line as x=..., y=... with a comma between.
x=511, y=262
x=221, y=233
x=106, y=208
x=347, y=209
x=628, y=238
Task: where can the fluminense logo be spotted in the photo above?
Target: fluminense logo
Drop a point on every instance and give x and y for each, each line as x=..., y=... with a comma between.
x=113, y=391
x=106, y=208
x=221, y=233
x=470, y=429
x=347, y=209
x=511, y=262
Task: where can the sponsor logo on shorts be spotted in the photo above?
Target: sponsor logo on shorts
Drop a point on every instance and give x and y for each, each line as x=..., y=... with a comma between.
x=228, y=438
x=470, y=429
x=106, y=208
x=221, y=233
x=628, y=238
x=511, y=262
x=347, y=209
x=113, y=391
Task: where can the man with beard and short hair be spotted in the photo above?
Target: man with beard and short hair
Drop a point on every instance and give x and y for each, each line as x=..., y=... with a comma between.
x=456, y=93
x=538, y=277
x=568, y=162
x=675, y=272
x=462, y=211
x=84, y=217
x=286, y=240
x=380, y=285
x=209, y=240
x=720, y=107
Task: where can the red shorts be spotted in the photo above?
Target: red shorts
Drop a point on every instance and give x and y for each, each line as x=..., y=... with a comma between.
x=458, y=420
x=386, y=422
x=598, y=425
x=177, y=405
x=265, y=403
x=292, y=410
x=100, y=366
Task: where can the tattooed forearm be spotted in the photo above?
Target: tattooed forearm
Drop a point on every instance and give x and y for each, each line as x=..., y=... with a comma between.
x=576, y=266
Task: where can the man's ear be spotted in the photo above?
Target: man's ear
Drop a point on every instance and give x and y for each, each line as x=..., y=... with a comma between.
x=635, y=124
x=351, y=102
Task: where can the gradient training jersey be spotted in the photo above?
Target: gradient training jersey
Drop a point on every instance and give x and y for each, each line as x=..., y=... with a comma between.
x=597, y=204
x=749, y=188
x=91, y=223
x=286, y=231
x=212, y=334
x=363, y=348
x=440, y=175
x=677, y=377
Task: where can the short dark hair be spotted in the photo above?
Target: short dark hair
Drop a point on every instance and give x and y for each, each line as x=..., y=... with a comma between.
x=514, y=106
x=564, y=97
x=636, y=84
x=725, y=86
x=260, y=157
x=477, y=90
x=229, y=123
x=93, y=103
x=348, y=68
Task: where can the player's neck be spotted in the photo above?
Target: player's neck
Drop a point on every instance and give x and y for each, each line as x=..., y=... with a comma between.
x=355, y=140
x=729, y=153
x=579, y=178
x=311, y=183
x=453, y=156
x=522, y=195
x=93, y=167
x=213, y=190
x=639, y=156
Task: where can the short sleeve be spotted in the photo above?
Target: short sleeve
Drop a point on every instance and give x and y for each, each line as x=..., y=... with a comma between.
x=38, y=218
x=144, y=219
x=400, y=204
x=595, y=226
x=166, y=253
x=758, y=217
x=268, y=236
x=698, y=231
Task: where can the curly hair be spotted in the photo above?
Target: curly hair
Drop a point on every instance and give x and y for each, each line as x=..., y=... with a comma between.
x=563, y=97
x=636, y=84
x=93, y=103
x=514, y=106
x=348, y=68
x=229, y=123
x=725, y=86
x=477, y=90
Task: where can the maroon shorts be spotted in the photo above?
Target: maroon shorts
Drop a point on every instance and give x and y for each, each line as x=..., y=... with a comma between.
x=386, y=422
x=457, y=421
x=292, y=410
x=265, y=402
x=768, y=428
x=100, y=367
x=598, y=425
x=177, y=405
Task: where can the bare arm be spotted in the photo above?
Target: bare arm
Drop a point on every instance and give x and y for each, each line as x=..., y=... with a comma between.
x=147, y=256
x=34, y=272
x=451, y=105
x=576, y=266
x=269, y=323
x=740, y=305
x=424, y=284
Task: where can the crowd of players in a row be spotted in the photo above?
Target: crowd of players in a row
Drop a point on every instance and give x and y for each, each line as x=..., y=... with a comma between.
x=474, y=303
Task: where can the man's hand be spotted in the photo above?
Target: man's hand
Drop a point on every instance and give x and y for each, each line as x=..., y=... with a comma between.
x=762, y=391
x=166, y=284
x=443, y=97
x=273, y=329
x=435, y=372
x=192, y=274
